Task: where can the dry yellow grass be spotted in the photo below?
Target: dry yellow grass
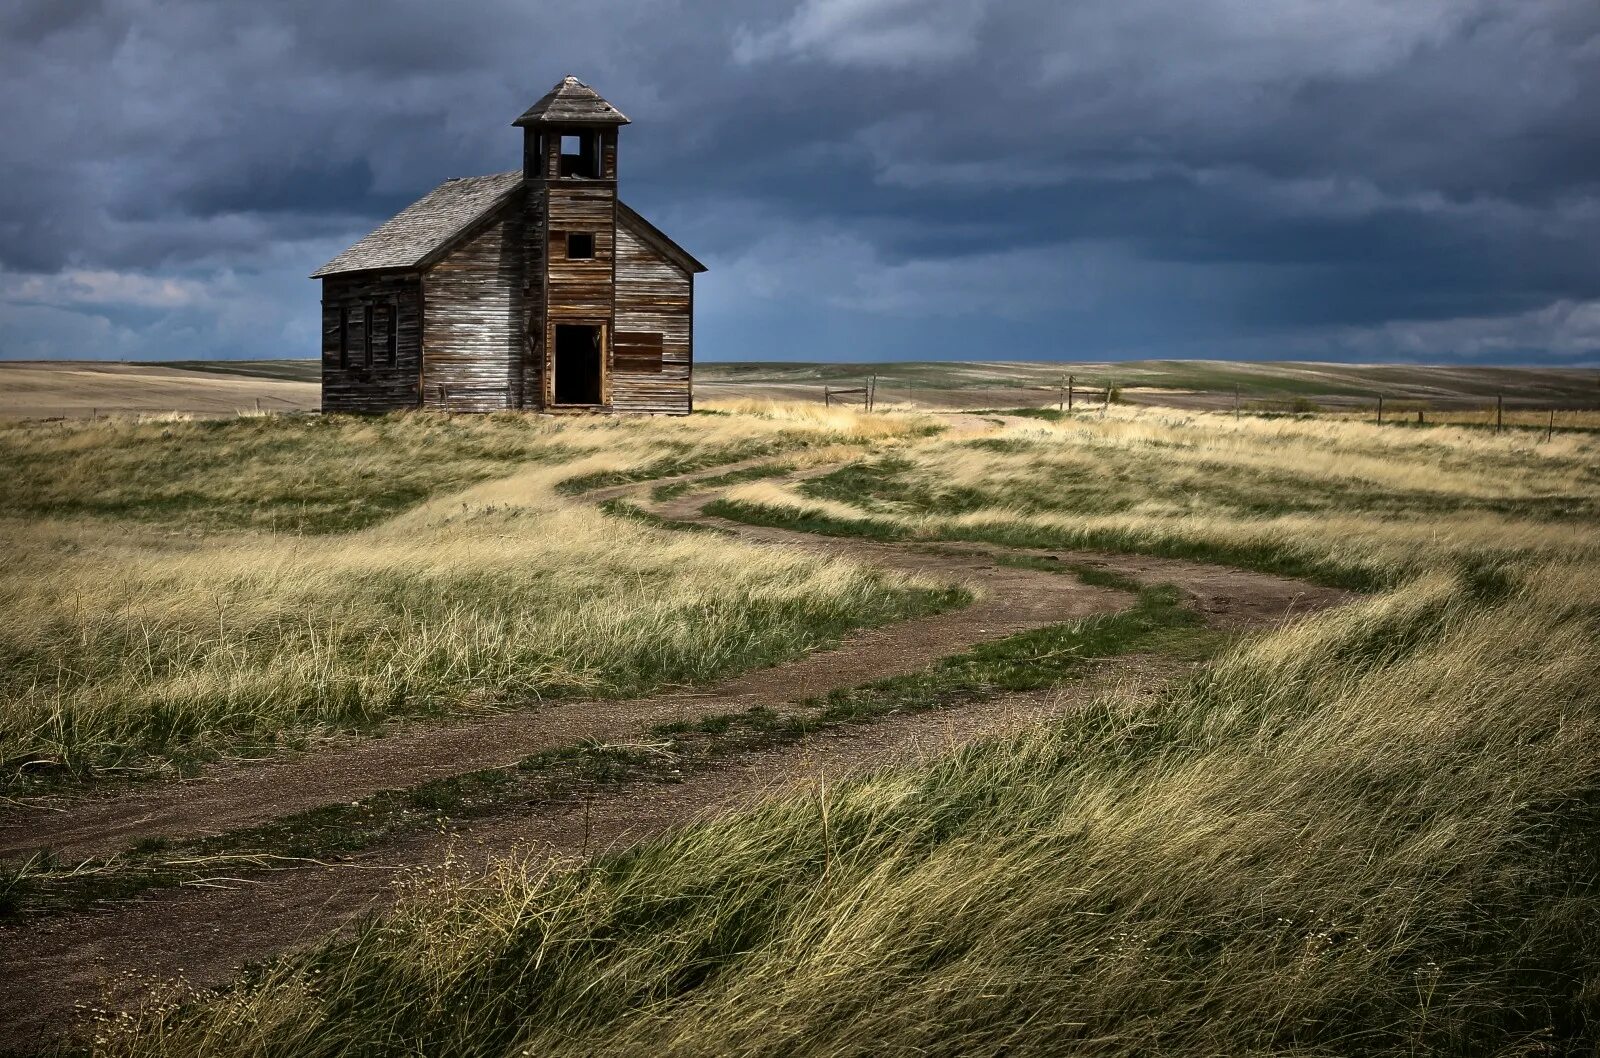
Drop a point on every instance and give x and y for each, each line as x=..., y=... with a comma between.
x=1351, y=501
x=1368, y=833
x=122, y=644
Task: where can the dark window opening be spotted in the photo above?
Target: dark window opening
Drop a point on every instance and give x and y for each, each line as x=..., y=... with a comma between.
x=638, y=352
x=344, y=336
x=392, y=318
x=580, y=245
x=366, y=335
x=578, y=356
x=580, y=154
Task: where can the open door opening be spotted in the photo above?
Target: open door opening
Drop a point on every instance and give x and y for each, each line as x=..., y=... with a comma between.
x=578, y=356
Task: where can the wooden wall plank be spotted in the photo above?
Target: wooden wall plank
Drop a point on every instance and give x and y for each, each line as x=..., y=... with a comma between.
x=473, y=332
x=654, y=296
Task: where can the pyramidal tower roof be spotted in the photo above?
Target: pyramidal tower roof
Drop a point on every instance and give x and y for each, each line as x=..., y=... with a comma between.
x=571, y=102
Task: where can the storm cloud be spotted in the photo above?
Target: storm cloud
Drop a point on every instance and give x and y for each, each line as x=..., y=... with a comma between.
x=1350, y=179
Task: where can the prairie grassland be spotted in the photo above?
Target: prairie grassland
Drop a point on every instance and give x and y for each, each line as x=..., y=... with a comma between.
x=1371, y=832
x=1346, y=502
x=336, y=473
x=130, y=639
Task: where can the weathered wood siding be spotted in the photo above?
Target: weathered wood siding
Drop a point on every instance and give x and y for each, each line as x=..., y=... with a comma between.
x=351, y=382
x=474, y=325
x=580, y=291
x=654, y=296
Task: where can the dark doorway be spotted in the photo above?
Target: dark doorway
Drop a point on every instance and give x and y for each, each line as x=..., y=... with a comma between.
x=577, y=366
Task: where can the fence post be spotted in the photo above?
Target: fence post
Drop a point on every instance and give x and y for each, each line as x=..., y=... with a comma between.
x=827, y=397
x=1419, y=416
x=1070, y=380
x=1236, y=402
x=1499, y=411
x=1061, y=395
x=1380, y=407
x=1550, y=427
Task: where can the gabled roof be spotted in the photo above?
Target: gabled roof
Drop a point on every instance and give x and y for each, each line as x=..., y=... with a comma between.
x=429, y=224
x=657, y=238
x=571, y=102
x=423, y=231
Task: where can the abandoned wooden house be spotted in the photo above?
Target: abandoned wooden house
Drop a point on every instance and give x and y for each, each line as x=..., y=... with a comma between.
x=535, y=289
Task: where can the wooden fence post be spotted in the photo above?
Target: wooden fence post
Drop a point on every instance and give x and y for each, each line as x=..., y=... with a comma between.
x=827, y=397
x=1419, y=416
x=1499, y=411
x=1236, y=402
x=1070, y=380
x=1061, y=395
x=1550, y=427
x=1380, y=407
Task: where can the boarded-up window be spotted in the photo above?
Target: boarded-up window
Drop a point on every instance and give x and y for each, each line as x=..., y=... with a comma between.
x=366, y=335
x=638, y=352
x=392, y=319
x=344, y=336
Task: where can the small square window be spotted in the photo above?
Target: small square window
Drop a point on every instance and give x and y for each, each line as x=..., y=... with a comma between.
x=580, y=245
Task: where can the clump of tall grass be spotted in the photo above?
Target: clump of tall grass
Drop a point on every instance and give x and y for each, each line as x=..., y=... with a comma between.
x=1369, y=833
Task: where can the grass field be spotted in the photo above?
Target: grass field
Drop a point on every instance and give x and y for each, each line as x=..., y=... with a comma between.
x=1371, y=832
x=175, y=590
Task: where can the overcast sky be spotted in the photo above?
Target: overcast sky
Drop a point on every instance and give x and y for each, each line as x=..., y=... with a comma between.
x=867, y=179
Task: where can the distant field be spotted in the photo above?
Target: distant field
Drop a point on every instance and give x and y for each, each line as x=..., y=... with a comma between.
x=36, y=390
x=1181, y=383
x=81, y=390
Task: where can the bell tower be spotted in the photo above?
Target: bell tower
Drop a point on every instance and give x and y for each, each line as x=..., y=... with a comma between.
x=570, y=168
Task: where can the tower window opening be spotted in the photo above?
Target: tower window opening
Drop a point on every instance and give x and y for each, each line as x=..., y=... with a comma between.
x=580, y=245
x=580, y=154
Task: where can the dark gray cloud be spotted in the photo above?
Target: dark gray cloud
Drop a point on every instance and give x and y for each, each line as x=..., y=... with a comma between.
x=866, y=177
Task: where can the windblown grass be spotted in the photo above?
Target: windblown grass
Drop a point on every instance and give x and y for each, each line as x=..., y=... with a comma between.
x=1371, y=833
x=1349, y=503
x=338, y=473
x=123, y=649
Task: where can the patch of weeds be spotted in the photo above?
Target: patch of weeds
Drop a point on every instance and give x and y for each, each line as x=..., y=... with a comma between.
x=1096, y=576
x=804, y=520
x=624, y=509
x=674, y=489
x=679, y=463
